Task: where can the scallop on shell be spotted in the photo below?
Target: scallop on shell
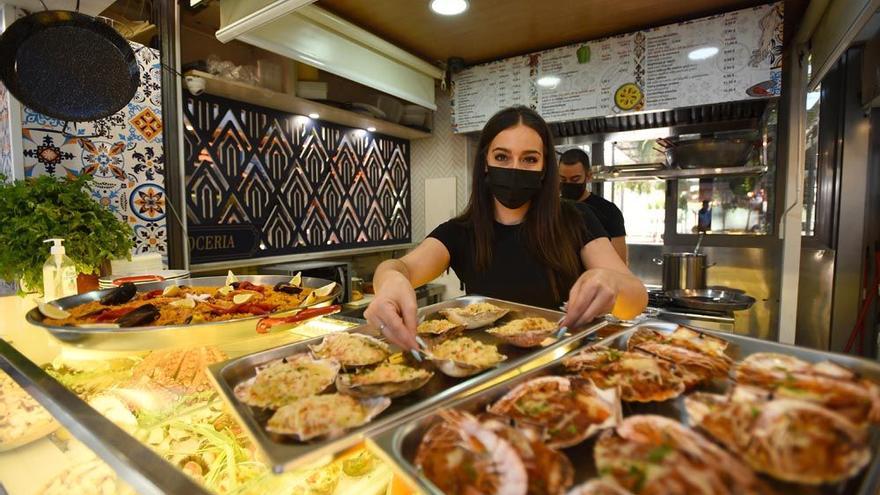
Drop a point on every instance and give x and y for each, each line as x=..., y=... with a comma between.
x=525, y=332
x=352, y=349
x=461, y=357
x=287, y=380
x=782, y=437
x=325, y=416
x=569, y=409
x=387, y=379
x=475, y=315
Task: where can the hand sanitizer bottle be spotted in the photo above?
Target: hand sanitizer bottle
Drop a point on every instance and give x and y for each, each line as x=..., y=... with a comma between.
x=59, y=273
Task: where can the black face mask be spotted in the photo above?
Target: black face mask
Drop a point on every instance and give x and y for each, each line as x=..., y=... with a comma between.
x=573, y=190
x=514, y=187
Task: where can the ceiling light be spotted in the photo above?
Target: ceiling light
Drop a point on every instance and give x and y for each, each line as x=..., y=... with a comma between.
x=449, y=7
x=313, y=115
x=703, y=53
x=548, y=81
x=360, y=132
x=371, y=129
x=717, y=170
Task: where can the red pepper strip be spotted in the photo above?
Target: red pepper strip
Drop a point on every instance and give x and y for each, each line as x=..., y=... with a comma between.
x=249, y=286
x=267, y=323
x=253, y=309
x=153, y=293
x=113, y=314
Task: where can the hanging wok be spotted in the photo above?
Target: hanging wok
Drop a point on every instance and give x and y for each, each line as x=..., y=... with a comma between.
x=68, y=66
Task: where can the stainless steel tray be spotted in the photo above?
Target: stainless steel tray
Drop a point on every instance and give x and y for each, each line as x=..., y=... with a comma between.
x=400, y=444
x=80, y=335
x=285, y=454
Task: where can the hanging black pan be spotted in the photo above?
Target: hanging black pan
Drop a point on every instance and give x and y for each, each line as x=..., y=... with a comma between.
x=68, y=65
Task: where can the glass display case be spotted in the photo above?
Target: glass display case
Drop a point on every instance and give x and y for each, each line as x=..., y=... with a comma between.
x=144, y=421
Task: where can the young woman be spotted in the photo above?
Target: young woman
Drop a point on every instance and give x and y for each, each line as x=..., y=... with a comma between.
x=515, y=241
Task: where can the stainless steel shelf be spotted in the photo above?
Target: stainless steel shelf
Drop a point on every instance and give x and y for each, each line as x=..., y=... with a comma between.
x=680, y=173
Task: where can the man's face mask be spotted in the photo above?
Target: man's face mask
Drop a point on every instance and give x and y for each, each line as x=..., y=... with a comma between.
x=514, y=187
x=573, y=190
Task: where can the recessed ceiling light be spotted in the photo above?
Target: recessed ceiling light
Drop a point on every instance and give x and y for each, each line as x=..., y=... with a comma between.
x=371, y=129
x=548, y=81
x=449, y=7
x=313, y=115
x=360, y=132
x=703, y=53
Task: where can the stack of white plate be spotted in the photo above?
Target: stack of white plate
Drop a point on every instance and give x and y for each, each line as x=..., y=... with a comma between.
x=141, y=278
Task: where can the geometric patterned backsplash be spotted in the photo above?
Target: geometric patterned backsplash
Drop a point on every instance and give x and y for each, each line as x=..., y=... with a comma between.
x=123, y=152
x=261, y=182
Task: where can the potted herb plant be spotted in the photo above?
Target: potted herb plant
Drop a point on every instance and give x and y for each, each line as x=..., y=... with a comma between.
x=35, y=209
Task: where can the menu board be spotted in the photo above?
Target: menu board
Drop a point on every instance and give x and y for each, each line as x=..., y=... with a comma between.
x=727, y=57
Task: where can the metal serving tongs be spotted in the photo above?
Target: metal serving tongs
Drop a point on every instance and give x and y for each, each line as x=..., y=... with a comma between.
x=420, y=354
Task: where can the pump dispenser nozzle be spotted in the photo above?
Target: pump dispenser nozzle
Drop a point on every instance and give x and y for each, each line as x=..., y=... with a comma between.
x=57, y=249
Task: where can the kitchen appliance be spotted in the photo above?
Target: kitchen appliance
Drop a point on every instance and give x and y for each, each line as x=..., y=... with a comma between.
x=709, y=152
x=337, y=271
x=68, y=65
x=683, y=270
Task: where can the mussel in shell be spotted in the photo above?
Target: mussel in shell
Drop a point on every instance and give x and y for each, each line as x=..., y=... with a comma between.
x=141, y=316
x=119, y=295
x=287, y=288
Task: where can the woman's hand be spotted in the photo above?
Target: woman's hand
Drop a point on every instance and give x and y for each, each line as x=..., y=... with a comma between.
x=592, y=295
x=394, y=309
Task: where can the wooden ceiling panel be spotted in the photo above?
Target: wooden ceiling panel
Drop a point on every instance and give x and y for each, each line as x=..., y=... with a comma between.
x=493, y=29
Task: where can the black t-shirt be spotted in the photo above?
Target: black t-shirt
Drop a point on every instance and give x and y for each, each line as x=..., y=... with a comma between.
x=514, y=274
x=608, y=213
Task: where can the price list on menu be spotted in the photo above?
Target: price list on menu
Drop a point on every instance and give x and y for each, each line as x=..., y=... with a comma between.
x=483, y=90
x=727, y=57
x=589, y=75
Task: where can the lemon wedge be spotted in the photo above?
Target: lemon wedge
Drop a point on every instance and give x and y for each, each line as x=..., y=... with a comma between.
x=183, y=303
x=324, y=291
x=296, y=281
x=225, y=290
x=53, y=311
x=310, y=299
x=171, y=290
x=231, y=278
x=242, y=298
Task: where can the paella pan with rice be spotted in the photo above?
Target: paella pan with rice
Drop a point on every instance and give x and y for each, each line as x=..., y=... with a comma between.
x=129, y=306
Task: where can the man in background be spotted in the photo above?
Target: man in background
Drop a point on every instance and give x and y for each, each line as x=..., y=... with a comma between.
x=574, y=175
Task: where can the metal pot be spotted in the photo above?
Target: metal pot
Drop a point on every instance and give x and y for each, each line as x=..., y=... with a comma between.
x=683, y=271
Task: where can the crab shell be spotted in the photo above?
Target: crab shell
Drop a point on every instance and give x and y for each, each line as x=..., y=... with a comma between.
x=585, y=390
x=324, y=347
x=373, y=407
x=753, y=425
x=459, y=369
x=242, y=390
x=386, y=389
x=472, y=322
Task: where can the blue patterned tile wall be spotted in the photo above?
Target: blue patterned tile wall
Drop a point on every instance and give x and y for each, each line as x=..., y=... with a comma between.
x=124, y=153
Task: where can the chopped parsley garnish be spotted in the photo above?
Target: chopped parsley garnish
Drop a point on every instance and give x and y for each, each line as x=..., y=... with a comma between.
x=658, y=454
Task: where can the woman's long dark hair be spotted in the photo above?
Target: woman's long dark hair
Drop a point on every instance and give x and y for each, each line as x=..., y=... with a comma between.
x=554, y=232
